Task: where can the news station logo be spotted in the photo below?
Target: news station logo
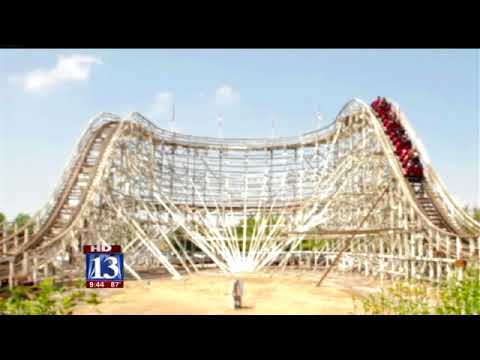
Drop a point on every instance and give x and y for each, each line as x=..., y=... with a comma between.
x=104, y=266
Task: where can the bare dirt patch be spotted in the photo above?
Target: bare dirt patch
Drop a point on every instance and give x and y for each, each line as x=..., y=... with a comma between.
x=209, y=292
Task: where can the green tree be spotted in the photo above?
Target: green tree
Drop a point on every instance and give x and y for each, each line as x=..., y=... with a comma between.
x=22, y=219
x=476, y=214
x=253, y=226
x=2, y=220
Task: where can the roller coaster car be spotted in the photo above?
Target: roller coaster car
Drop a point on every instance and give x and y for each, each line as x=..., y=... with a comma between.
x=392, y=127
x=389, y=116
x=377, y=103
x=399, y=134
x=381, y=106
x=386, y=106
x=405, y=156
x=398, y=139
x=402, y=145
x=414, y=171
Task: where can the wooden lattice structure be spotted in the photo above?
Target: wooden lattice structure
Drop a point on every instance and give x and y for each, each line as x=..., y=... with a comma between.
x=172, y=201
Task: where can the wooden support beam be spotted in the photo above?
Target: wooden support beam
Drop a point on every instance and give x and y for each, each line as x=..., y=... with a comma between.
x=11, y=273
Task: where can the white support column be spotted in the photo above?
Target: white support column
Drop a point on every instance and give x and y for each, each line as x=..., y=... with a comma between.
x=412, y=256
x=25, y=236
x=35, y=270
x=25, y=263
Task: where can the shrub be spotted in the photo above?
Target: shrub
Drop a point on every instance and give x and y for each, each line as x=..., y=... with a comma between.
x=453, y=297
x=46, y=299
x=461, y=296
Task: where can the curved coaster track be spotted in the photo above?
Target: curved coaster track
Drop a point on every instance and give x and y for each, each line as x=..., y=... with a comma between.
x=176, y=202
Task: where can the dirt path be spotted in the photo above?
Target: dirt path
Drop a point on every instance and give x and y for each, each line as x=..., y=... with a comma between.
x=210, y=293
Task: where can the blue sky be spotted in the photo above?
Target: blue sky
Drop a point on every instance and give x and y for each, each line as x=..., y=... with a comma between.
x=47, y=97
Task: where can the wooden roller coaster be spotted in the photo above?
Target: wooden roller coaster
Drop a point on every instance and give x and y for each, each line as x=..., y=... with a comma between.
x=245, y=204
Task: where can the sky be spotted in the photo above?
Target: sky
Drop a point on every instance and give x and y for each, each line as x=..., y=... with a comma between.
x=48, y=96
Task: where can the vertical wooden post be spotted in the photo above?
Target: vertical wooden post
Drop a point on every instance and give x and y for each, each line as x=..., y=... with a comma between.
x=15, y=236
x=448, y=265
x=430, y=257
x=412, y=257
x=382, y=260
x=35, y=269
x=25, y=236
x=25, y=263
x=471, y=248
x=11, y=273
x=438, y=263
x=458, y=246
x=448, y=247
x=365, y=257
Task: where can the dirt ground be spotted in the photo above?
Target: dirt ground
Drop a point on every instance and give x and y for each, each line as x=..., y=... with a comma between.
x=209, y=292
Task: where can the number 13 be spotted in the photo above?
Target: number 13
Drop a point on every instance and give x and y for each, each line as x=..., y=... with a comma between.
x=113, y=265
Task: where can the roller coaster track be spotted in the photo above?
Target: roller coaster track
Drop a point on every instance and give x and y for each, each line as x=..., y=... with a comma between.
x=43, y=238
x=432, y=206
x=435, y=200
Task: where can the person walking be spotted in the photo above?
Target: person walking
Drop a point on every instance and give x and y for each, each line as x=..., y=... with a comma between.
x=237, y=294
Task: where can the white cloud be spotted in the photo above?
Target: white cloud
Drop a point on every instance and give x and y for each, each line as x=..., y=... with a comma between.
x=163, y=103
x=68, y=69
x=226, y=95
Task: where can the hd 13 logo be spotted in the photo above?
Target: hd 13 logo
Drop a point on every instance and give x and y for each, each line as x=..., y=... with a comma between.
x=104, y=266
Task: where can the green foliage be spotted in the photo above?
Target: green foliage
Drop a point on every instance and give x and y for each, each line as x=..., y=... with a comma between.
x=454, y=297
x=461, y=297
x=475, y=212
x=46, y=299
x=23, y=219
x=20, y=220
x=401, y=299
x=253, y=226
x=313, y=244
